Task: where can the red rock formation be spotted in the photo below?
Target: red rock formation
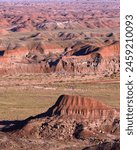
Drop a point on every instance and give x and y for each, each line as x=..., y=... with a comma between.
x=3, y=32
x=82, y=107
x=112, y=50
x=72, y=117
x=86, y=60
x=100, y=61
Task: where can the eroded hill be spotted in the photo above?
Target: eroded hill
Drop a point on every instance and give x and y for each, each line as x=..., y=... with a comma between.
x=72, y=118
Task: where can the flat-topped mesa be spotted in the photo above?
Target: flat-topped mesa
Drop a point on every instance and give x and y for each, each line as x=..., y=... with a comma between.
x=79, y=107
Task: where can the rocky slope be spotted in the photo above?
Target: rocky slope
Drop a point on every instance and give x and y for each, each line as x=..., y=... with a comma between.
x=75, y=36
x=72, y=118
x=63, y=15
x=79, y=59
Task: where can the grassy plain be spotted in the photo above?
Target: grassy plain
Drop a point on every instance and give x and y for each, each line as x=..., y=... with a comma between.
x=19, y=101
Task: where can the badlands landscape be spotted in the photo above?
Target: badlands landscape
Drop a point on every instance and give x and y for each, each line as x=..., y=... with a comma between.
x=59, y=69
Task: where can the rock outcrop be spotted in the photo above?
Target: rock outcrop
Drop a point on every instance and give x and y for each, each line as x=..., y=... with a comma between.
x=72, y=117
x=84, y=59
x=115, y=145
x=81, y=108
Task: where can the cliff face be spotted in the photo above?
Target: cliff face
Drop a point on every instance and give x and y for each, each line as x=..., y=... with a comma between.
x=90, y=60
x=78, y=59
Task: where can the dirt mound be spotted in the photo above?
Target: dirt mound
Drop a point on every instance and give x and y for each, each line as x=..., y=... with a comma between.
x=71, y=117
x=81, y=107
